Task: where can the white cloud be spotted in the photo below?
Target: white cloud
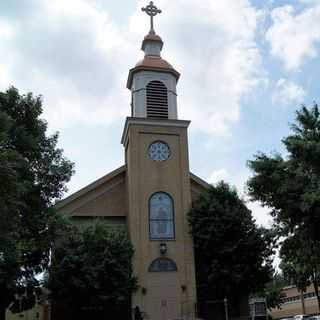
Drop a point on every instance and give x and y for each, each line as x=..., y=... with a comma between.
x=213, y=45
x=78, y=58
x=287, y=92
x=293, y=36
x=218, y=175
x=260, y=214
x=6, y=29
x=309, y=1
x=71, y=54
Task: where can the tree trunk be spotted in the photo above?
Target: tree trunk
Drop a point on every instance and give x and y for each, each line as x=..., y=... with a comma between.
x=316, y=290
x=2, y=313
x=302, y=302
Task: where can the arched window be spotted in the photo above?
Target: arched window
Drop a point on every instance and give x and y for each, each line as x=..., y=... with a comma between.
x=161, y=216
x=157, y=100
x=162, y=265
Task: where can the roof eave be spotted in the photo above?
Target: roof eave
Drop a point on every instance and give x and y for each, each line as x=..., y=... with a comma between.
x=62, y=203
x=200, y=181
x=132, y=71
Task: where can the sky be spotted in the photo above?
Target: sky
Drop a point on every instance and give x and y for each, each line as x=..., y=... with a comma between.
x=246, y=66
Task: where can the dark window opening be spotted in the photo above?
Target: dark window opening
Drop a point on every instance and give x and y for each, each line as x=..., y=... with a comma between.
x=162, y=265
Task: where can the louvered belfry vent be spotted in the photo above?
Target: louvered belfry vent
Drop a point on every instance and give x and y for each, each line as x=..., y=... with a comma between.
x=157, y=100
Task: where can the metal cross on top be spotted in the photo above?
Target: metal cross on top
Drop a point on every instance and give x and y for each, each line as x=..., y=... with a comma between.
x=151, y=10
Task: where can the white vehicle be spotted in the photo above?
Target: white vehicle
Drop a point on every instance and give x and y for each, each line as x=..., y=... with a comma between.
x=300, y=317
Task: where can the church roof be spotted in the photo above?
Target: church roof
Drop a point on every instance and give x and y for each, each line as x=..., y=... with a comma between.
x=152, y=63
x=90, y=187
x=195, y=180
x=199, y=181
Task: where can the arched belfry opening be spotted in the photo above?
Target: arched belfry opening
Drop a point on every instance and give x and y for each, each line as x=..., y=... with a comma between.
x=157, y=100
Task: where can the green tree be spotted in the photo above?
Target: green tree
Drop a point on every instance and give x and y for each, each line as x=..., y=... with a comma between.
x=91, y=272
x=290, y=187
x=33, y=173
x=232, y=254
x=273, y=291
x=300, y=262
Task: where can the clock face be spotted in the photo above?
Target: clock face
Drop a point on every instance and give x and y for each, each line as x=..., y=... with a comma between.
x=159, y=151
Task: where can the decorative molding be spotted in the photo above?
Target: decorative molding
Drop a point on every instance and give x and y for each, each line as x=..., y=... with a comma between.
x=151, y=122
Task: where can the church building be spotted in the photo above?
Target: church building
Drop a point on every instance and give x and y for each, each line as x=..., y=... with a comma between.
x=151, y=193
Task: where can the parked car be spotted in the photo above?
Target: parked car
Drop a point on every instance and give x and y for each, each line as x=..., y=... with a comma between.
x=301, y=317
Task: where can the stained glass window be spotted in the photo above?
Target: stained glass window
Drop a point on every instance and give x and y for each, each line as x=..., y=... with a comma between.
x=162, y=265
x=161, y=217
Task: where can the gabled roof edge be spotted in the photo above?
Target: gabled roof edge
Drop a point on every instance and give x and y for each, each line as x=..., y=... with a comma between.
x=199, y=181
x=60, y=204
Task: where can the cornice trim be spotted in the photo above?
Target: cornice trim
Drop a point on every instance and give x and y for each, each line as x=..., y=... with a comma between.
x=199, y=181
x=62, y=203
x=151, y=122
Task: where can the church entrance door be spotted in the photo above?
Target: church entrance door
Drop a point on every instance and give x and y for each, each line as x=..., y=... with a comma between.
x=163, y=296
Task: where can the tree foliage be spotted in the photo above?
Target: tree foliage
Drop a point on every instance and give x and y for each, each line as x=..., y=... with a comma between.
x=290, y=187
x=301, y=262
x=91, y=271
x=232, y=254
x=33, y=173
x=273, y=291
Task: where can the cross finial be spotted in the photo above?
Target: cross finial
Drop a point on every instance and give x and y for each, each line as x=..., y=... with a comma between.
x=151, y=10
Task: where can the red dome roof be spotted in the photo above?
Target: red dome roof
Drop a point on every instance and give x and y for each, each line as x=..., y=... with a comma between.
x=154, y=62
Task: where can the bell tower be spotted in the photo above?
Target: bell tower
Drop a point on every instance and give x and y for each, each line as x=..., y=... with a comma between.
x=158, y=187
x=153, y=83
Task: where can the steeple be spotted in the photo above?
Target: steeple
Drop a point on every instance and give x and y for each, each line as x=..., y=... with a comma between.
x=158, y=187
x=151, y=10
x=153, y=80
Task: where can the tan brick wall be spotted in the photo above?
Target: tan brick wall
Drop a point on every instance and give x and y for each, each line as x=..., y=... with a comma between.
x=164, y=298
x=293, y=308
